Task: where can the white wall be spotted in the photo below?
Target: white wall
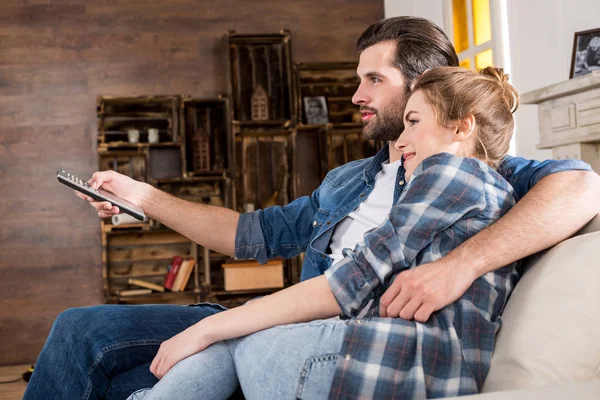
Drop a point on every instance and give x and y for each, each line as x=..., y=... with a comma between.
x=430, y=9
x=541, y=43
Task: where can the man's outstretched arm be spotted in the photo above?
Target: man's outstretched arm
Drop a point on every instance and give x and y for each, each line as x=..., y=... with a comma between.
x=211, y=226
x=553, y=210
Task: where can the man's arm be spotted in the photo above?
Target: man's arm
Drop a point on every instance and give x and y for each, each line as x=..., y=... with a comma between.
x=553, y=210
x=210, y=226
x=275, y=231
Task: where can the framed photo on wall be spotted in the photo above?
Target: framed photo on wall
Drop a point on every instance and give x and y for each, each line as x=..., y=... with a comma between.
x=315, y=110
x=586, y=53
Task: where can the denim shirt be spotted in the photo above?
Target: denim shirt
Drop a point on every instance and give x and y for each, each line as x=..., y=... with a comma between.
x=307, y=223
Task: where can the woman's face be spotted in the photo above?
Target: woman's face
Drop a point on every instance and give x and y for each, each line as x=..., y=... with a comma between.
x=423, y=136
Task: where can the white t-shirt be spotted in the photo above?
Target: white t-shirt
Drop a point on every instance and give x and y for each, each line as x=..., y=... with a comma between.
x=368, y=215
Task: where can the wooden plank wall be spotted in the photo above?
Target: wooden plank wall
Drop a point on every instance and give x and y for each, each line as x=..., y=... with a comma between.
x=56, y=56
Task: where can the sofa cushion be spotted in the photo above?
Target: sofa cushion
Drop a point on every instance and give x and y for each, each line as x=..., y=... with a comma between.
x=551, y=325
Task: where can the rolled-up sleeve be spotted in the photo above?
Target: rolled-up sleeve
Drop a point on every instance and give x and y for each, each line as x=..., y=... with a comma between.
x=249, y=238
x=443, y=190
x=276, y=231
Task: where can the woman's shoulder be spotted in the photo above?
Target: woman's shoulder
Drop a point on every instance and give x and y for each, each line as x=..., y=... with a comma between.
x=451, y=167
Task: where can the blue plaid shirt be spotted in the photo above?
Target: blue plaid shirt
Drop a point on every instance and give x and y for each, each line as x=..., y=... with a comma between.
x=448, y=200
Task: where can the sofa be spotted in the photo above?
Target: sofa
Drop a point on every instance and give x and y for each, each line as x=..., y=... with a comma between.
x=549, y=343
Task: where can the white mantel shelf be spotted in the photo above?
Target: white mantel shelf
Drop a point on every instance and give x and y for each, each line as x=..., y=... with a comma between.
x=562, y=89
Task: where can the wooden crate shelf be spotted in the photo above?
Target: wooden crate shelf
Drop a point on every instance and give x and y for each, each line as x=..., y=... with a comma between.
x=251, y=149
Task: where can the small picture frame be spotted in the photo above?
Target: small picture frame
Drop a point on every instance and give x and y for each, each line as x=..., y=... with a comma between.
x=586, y=53
x=315, y=110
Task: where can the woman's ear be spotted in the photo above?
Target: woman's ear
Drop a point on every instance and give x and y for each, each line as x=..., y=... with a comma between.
x=465, y=128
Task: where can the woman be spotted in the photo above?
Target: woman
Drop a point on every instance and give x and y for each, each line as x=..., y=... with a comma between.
x=458, y=125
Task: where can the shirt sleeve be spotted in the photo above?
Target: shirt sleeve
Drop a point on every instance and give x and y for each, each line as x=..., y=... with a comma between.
x=443, y=190
x=278, y=231
x=523, y=174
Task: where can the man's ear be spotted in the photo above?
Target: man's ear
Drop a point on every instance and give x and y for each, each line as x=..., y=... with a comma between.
x=465, y=128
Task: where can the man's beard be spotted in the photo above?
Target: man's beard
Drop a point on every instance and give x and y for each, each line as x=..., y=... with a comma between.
x=386, y=124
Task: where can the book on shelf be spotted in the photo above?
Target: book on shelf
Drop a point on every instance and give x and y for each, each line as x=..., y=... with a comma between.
x=183, y=276
x=172, y=272
x=133, y=292
x=145, y=284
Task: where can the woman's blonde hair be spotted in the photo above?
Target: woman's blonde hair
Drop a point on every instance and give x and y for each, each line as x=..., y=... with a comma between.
x=454, y=93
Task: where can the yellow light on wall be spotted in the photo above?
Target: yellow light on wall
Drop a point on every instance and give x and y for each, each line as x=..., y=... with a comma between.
x=484, y=59
x=482, y=26
x=466, y=63
x=461, y=26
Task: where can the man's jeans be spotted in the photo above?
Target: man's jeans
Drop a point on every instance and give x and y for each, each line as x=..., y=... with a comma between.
x=296, y=361
x=105, y=351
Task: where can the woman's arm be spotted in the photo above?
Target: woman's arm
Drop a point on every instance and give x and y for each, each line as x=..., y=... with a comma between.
x=306, y=301
x=303, y=302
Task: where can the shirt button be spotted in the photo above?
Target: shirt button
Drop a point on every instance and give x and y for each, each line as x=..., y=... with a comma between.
x=401, y=183
x=328, y=222
x=314, y=223
x=362, y=195
x=348, y=357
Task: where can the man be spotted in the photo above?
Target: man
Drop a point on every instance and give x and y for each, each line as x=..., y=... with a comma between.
x=107, y=350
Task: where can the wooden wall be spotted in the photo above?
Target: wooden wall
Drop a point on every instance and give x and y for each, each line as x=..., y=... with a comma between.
x=56, y=56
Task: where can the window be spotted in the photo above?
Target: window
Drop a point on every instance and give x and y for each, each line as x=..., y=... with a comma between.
x=477, y=28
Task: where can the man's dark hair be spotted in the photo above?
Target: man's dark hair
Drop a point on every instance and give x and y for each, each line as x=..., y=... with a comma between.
x=420, y=44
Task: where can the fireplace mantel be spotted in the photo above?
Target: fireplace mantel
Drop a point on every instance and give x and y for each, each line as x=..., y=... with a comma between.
x=569, y=116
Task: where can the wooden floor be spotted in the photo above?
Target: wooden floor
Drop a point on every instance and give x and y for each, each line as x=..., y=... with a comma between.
x=12, y=391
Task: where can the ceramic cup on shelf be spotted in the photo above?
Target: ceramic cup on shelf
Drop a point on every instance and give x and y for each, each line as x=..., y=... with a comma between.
x=133, y=135
x=153, y=135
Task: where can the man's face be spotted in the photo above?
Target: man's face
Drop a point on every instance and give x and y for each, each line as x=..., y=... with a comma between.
x=382, y=92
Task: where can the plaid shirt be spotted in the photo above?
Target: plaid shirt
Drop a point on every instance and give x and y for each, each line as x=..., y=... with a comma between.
x=448, y=200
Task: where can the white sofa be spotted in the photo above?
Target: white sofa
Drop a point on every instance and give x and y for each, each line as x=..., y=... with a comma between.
x=549, y=343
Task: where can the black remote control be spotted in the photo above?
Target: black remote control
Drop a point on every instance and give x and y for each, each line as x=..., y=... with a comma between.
x=100, y=195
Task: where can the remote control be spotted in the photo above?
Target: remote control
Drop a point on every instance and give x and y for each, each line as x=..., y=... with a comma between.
x=100, y=195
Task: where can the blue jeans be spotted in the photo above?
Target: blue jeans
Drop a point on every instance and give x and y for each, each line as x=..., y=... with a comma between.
x=105, y=351
x=296, y=361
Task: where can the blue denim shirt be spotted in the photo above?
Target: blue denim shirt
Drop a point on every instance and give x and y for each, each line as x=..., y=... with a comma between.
x=307, y=223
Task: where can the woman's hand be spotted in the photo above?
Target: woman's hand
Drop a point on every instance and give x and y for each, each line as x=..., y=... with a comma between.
x=180, y=346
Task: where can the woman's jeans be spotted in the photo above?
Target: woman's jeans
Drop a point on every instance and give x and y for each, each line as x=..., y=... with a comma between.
x=105, y=351
x=295, y=361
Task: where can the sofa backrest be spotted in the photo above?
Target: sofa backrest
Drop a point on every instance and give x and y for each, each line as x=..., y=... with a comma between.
x=551, y=325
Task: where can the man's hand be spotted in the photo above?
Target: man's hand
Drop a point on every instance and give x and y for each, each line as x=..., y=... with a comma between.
x=418, y=292
x=180, y=346
x=118, y=184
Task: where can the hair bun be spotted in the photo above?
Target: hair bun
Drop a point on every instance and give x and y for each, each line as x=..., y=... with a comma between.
x=510, y=94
